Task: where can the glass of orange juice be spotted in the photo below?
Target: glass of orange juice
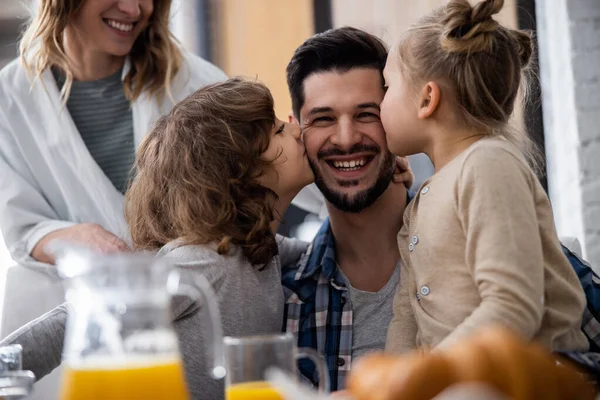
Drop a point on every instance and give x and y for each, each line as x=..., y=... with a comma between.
x=248, y=358
x=119, y=342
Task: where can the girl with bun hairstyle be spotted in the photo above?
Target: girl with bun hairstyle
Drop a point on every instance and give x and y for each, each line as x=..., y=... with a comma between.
x=478, y=245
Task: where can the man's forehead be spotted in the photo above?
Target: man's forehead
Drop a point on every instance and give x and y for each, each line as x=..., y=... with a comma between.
x=342, y=90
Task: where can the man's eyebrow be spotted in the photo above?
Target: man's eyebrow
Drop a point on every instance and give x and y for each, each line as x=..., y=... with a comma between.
x=319, y=110
x=363, y=106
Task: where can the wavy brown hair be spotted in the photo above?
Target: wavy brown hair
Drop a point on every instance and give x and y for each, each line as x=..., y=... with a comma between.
x=482, y=62
x=197, y=173
x=155, y=56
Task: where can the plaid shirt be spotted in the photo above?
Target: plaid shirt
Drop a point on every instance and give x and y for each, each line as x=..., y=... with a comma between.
x=590, y=325
x=318, y=310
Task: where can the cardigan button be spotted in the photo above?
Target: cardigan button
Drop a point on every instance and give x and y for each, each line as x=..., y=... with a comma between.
x=425, y=190
x=425, y=290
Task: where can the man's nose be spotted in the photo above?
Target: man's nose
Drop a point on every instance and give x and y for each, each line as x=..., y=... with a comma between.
x=346, y=135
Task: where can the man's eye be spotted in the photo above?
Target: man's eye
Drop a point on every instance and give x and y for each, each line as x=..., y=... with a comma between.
x=323, y=119
x=281, y=128
x=368, y=116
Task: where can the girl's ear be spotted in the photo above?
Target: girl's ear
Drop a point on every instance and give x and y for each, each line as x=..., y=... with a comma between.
x=429, y=100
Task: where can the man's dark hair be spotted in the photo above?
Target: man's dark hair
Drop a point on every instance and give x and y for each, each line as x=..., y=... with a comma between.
x=339, y=50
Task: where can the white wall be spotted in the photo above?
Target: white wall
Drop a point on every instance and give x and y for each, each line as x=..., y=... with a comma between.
x=569, y=40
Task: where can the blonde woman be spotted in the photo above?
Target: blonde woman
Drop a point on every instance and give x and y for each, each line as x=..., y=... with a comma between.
x=92, y=78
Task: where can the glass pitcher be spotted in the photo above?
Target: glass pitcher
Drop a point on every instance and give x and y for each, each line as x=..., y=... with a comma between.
x=119, y=340
x=247, y=360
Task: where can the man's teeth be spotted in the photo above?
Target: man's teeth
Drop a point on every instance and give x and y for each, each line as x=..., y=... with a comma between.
x=119, y=26
x=350, y=165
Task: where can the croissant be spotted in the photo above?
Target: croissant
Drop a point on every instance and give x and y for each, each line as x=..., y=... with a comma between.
x=493, y=356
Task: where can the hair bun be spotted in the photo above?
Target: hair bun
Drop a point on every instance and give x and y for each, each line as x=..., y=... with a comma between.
x=524, y=45
x=469, y=28
x=484, y=10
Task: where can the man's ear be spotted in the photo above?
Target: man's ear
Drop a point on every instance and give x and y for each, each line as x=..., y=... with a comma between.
x=429, y=100
x=292, y=119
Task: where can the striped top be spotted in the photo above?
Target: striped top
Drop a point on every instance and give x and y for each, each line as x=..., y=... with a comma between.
x=102, y=115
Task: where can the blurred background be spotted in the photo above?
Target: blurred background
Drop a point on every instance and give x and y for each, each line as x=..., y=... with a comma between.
x=256, y=38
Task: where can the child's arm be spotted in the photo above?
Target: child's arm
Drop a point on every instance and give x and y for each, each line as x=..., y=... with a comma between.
x=497, y=209
x=402, y=333
x=42, y=340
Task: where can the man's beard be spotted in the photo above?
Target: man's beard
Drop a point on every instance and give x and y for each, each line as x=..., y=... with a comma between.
x=362, y=199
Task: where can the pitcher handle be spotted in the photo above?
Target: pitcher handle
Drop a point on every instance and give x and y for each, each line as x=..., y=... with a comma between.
x=203, y=288
x=313, y=355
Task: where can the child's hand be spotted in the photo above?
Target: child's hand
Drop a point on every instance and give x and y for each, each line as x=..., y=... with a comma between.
x=403, y=173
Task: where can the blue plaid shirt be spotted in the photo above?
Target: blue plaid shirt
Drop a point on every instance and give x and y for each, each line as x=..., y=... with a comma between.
x=590, y=324
x=319, y=313
x=318, y=310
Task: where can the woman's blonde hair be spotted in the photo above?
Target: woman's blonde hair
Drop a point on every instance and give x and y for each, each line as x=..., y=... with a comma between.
x=155, y=56
x=197, y=174
x=482, y=62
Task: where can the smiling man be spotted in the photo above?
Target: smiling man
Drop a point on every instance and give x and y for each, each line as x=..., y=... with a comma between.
x=339, y=297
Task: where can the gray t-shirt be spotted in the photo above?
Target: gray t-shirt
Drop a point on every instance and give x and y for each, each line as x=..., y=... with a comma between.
x=371, y=315
x=102, y=115
x=250, y=299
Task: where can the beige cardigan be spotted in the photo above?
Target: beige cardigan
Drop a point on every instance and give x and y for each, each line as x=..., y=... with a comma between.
x=479, y=247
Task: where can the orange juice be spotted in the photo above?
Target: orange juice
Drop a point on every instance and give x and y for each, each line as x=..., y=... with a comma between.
x=150, y=380
x=252, y=391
